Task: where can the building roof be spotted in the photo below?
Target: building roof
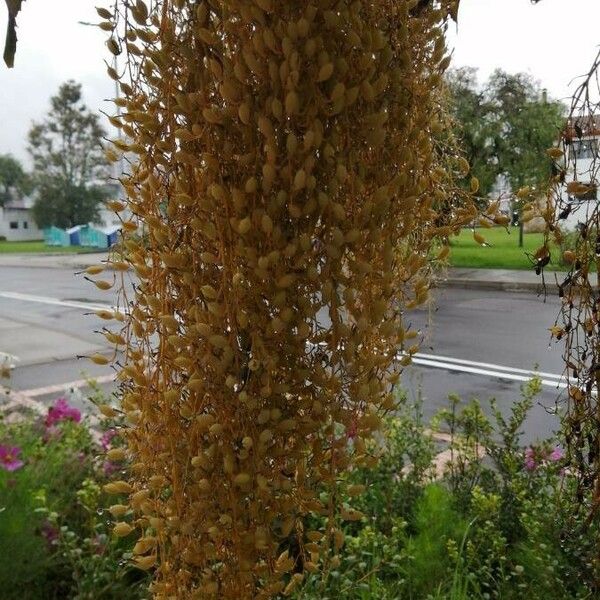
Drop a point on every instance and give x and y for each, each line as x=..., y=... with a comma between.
x=19, y=203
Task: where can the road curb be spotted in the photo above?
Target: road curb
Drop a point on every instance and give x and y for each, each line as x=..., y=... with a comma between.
x=80, y=263
x=77, y=262
x=505, y=286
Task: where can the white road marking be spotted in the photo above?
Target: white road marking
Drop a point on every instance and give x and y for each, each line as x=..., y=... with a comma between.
x=53, y=301
x=426, y=360
x=556, y=382
x=71, y=385
x=495, y=367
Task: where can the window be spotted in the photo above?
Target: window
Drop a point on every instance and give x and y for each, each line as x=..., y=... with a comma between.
x=14, y=224
x=584, y=149
x=25, y=225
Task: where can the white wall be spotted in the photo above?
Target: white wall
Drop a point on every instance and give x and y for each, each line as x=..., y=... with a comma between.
x=22, y=233
x=583, y=169
x=109, y=218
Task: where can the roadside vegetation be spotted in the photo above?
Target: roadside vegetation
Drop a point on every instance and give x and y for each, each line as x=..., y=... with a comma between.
x=503, y=251
x=39, y=247
x=498, y=521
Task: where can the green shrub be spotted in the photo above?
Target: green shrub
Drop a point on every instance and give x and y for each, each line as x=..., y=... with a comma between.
x=54, y=463
x=504, y=522
x=54, y=536
x=437, y=524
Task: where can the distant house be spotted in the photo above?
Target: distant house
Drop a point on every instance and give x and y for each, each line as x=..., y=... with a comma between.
x=16, y=221
x=582, y=141
x=90, y=236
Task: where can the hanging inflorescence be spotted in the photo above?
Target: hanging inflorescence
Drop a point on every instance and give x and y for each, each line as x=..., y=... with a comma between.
x=574, y=196
x=293, y=170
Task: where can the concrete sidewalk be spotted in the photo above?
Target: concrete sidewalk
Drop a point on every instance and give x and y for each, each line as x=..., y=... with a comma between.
x=482, y=279
x=53, y=261
x=498, y=279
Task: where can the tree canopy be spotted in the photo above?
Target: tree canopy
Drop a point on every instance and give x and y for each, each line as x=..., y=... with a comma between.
x=69, y=167
x=505, y=126
x=12, y=178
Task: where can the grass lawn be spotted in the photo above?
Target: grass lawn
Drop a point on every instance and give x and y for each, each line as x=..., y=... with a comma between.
x=503, y=252
x=37, y=247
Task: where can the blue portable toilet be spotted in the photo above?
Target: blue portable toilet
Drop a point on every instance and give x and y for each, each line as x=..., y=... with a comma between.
x=73, y=234
x=92, y=237
x=84, y=236
x=55, y=236
x=112, y=235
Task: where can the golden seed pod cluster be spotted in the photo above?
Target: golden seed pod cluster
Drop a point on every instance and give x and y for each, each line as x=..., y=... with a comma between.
x=292, y=173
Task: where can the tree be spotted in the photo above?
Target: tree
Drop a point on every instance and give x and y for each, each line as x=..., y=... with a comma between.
x=527, y=124
x=68, y=161
x=12, y=178
x=505, y=126
x=476, y=132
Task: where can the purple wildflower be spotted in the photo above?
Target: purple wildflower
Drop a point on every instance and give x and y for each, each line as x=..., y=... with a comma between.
x=109, y=468
x=9, y=458
x=105, y=440
x=49, y=533
x=556, y=454
x=62, y=411
x=530, y=463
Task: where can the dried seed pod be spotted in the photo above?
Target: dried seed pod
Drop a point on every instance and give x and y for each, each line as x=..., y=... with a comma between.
x=118, y=510
x=99, y=359
x=122, y=529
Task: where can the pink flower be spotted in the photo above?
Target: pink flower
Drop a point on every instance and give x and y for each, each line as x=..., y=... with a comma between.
x=62, y=411
x=109, y=468
x=9, y=460
x=535, y=458
x=106, y=439
x=49, y=533
x=98, y=543
x=556, y=454
x=530, y=463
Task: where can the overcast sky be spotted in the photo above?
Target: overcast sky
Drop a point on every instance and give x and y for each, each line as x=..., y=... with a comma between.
x=555, y=41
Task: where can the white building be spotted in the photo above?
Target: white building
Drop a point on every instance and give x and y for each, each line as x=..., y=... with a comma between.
x=581, y=142
x=16, y=221
x=502, y=193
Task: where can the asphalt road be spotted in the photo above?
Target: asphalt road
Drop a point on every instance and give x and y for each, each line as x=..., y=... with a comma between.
x=475, y=343
x=496, y=335
x=45, y=322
